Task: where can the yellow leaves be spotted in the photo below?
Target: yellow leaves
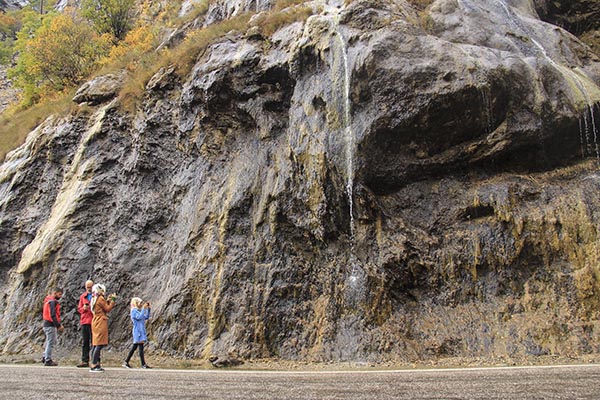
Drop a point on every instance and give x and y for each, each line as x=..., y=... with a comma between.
x=66, y=51
x=138, y=41
x=8, y=24
x=141, y=38
x=57, y=53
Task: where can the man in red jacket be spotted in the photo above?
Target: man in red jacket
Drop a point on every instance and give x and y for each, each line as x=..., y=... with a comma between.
x=51, y=315
x=86, y=316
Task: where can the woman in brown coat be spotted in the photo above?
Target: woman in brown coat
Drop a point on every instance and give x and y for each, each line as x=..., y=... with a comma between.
x=100, y=308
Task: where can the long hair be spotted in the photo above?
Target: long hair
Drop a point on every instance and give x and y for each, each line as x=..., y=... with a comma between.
x=97, y=291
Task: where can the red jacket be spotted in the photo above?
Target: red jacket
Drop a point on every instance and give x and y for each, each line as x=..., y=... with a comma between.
x=85, y=315
x=51, y=311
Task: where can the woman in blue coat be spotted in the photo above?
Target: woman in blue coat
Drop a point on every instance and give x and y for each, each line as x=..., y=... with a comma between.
x=140, y=312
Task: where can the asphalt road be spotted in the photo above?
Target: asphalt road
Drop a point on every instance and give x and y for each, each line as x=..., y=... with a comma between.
x=37, y=382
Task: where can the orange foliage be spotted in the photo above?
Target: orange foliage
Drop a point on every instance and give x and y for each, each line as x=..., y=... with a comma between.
x=64, y=51
x=8, y=25
x=55, y=53
x=138, y=41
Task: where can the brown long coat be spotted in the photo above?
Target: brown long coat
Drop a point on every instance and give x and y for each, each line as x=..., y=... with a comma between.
x=100, y=321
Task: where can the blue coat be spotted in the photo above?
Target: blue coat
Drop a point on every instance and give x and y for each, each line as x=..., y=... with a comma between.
x=139, y=317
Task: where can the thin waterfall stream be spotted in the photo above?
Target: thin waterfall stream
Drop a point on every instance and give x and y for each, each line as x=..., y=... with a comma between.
x=588, y=131
x=354, y=284
x=590, y=128
x=348, y=133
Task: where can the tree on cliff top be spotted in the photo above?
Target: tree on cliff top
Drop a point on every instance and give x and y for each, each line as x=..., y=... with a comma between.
x=56, y=51
x=110, y=16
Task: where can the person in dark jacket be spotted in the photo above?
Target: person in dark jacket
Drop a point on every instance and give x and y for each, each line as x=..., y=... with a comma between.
x=85, y=317
x=52, y=324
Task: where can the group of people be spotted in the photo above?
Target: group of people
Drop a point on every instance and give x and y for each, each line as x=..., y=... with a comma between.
x=93, y=307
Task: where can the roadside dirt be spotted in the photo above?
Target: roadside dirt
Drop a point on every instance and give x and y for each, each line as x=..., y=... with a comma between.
x=113, y=358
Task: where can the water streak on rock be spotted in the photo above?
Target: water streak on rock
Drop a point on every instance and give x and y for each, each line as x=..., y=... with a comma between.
x=355, y=280
x=569, y=75
x=486, y=100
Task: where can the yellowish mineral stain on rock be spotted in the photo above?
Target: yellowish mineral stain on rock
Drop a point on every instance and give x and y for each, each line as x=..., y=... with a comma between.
x=50, y=236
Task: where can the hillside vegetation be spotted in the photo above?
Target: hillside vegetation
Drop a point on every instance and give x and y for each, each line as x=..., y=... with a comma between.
x=51, y=53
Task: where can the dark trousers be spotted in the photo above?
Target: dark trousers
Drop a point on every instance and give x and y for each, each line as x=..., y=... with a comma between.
x=86, y=338
x=140, y=347
x=96, y=355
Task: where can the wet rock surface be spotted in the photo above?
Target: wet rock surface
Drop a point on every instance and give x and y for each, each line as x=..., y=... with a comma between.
x=581, y=18
x=379, y=182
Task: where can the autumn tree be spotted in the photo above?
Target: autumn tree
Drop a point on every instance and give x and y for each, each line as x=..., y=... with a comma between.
x=9, y=26
x=110, y=16
x=56, y=51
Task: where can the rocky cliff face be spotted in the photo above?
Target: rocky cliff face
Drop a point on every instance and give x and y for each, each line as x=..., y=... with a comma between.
x=8, y=94
x=582, y=18
x=12, y=4
x=576, y=16
x=383, y=181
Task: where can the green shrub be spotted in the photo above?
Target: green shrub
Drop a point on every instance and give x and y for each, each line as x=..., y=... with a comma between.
x=56, y=52
x=110, y=16
x=9, y=26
